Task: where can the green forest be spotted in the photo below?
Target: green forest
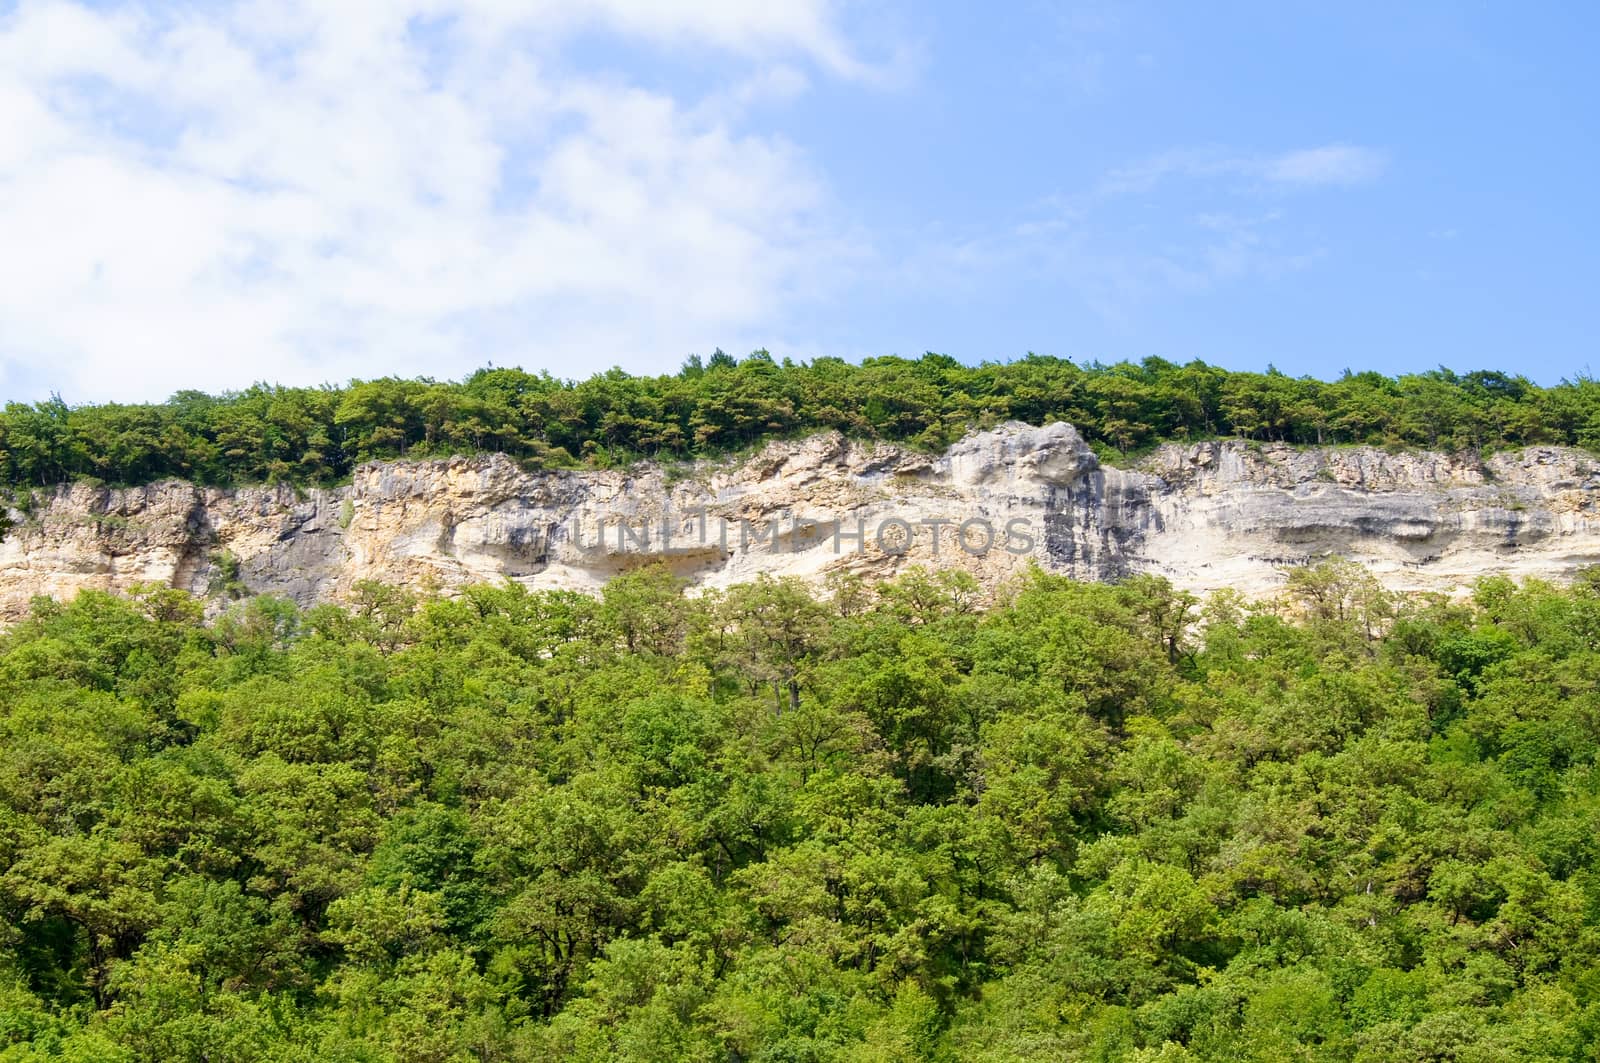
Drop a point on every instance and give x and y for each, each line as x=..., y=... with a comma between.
x=722, y=405
x=865, y=822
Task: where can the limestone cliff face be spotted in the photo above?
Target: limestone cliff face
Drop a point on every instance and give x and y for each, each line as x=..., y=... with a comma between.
x=1209, y=515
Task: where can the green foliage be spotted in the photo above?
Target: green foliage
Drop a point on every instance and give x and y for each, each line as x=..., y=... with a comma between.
x=226, y=578
x=723, y=406
x=758, y=824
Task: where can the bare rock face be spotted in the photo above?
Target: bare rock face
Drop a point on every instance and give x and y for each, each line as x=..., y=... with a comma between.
x=1208, y=515
x=1420, y=520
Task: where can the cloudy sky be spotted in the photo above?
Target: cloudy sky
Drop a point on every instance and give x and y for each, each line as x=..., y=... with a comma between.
x=207, y=195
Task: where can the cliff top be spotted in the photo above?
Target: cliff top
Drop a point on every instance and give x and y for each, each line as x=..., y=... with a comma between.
x=319, y=436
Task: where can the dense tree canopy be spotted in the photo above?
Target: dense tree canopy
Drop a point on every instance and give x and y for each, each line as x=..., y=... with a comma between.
x=317, y=435
x=1089, y=822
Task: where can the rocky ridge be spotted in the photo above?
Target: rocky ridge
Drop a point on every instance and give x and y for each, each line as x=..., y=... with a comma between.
x=1206, y=516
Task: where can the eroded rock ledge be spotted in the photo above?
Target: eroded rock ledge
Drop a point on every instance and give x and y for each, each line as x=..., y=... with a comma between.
x=1208, y=515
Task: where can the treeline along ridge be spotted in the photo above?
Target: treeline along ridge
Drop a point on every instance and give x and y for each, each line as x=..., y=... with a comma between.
x=318, y=435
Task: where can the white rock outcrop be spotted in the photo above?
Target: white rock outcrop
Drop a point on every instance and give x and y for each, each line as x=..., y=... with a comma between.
x=1207, y=515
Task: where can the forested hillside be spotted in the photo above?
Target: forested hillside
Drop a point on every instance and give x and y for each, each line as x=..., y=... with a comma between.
x=880, y=824
x=317, y=435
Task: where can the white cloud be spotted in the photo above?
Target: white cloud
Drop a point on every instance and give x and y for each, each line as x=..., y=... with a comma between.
x=737, y=25
x=1332, y=164
x=306, y=192
x=1184, y=222
x=1327, y=164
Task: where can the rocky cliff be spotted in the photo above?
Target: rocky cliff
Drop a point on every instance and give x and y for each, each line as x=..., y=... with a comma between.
x=1209, y=515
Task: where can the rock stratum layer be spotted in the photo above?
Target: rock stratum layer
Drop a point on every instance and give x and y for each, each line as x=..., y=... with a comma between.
x=1206, y=516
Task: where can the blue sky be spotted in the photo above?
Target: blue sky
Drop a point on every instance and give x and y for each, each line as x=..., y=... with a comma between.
x=1474, y=243
x=208, y=195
